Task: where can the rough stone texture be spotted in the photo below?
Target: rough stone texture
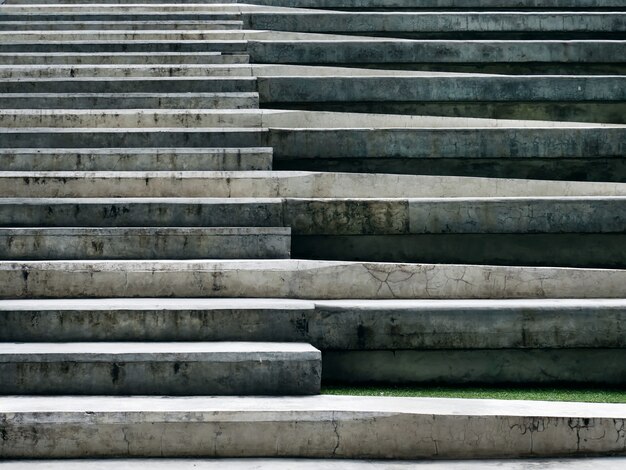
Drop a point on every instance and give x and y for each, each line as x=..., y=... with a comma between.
x=323, y=426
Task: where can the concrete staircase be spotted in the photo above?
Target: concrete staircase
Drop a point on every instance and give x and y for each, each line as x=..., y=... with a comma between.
x=205, y=199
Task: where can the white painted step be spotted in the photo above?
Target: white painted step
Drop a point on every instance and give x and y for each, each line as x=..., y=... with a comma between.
x=144, y=243
x=134, y=159
x=215, y=368
x=302, y=279
x=311, y=427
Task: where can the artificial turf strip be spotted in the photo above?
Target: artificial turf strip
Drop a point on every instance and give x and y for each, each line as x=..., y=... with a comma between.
x=547, y=394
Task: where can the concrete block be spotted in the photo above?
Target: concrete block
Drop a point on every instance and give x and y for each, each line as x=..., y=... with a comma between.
x=123, y=70
x=144, y=243
x=173, y=46
x=137, y=159
x=95, y=58
x=119, y=25
x=301, y=279
x=216, y=368
x=313, y=427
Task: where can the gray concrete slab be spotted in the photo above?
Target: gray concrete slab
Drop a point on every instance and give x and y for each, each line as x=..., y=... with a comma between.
x=137, y=159
x=93, y=101
x=90, y=46
x=581, y=463
x=145, y=243
x=449, y=325
x=191, y=368
x=121, y=70
x=301, y=279
x=322, y=426
x=95, y=58
x=120, y=25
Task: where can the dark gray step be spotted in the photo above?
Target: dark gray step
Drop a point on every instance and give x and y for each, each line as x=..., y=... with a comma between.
x=97, y=58
x=130, y=85
x=216, y=368
x=144, y=243
x=137, y=159
x=228, y=100
x=132, y=137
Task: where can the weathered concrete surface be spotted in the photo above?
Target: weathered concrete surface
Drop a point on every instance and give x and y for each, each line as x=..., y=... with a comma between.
x=144, y=243
x=129, y=100
x=191, y=368
x=270, y=184
x=301, y=279
x=119, y=25
x=123, y=70
x=328, y=325
x=156, y=137
x=520, y=367
x=322, y=427
x=225, y=46
x=580, y=463
x=137, y=159
x=94, y=58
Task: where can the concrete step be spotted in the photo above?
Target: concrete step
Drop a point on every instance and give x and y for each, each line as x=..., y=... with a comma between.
x=137, y=159
x=580, y=463
x=151, y=46
x=122, y=70
x=201, y=137
x=91, y=101
x=339, y=325
x=121, y=58
x=170, y=25
x=301, y=279
x=144, y=243
x=224, y=368
x=341, y=427
x=266, y=184
x=159, y=34
x=130, y=85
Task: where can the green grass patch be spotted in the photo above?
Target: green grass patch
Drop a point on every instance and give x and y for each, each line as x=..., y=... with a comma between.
x=498, y=393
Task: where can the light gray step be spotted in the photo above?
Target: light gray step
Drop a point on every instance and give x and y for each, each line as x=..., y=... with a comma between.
x=580, y=463
x=121, y=71
x=340, y=426
x=216, y=368
x=132, y=137
x=172, y=46
x=159, y=34
x=114, y=15
x=301, y=279
x=390, y=23
x=228, y=100
x=390, y=325
x=434, y=51
x=144, y=243
x=328, y=216
x=141, y=212
x=443, y=88
x=118, y=25
x=134, y=159
x=122, y=58
x=349, y=188
x=130, y=85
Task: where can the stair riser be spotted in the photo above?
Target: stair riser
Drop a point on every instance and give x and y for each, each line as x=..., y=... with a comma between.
x=123, y=101
x=197, y=376
x=127, y=46
x=334, y=327
x=120, y=71
x=122, y=58
x=148, y=245
x=117, y=25
x=182, y=159
x=301, y=280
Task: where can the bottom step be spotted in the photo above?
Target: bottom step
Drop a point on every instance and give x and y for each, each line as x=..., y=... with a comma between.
x=220, y=368
x=320, y=427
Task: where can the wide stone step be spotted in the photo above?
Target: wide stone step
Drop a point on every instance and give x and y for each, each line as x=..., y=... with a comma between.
x=301, y=279
x=121, y=70
x=137, y=159
x=121, y=58
x=64, y=101
x=172, y=46
x=255, y=184
x=222, y=368
x=119, y=25
x=346, y=427
x=349, y=325
x=144, y=243
x=129, y=85
x=159, y=34
x=201, y=137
